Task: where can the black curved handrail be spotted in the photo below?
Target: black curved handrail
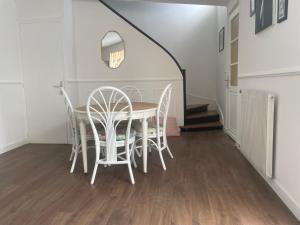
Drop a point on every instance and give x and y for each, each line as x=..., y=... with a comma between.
x=182, y=71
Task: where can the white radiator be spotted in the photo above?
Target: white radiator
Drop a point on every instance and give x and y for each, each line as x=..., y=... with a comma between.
x=257, y=129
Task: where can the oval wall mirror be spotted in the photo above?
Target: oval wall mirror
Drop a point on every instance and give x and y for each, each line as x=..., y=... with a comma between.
x=112, y=49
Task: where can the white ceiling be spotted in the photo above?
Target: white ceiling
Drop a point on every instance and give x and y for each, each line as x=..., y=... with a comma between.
x=200, y=2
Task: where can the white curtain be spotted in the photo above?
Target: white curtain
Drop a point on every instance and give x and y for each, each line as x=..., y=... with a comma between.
x=116, y=58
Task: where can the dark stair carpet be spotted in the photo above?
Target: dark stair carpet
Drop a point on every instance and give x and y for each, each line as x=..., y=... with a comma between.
x=200, y=119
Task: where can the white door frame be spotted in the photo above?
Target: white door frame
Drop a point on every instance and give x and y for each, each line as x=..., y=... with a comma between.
x=53, y=128
x=228, y=130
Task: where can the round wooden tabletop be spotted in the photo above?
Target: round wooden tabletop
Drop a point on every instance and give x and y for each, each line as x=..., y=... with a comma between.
x=136, y=106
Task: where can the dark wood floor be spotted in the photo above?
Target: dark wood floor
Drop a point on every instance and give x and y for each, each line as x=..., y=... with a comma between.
x=208, y=183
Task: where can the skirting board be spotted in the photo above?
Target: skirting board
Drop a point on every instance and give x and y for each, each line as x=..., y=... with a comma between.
x=221, y=113
x=231, y=135
x=195, y=99
x=285, y=197
x=281, y=192
x=12, y=146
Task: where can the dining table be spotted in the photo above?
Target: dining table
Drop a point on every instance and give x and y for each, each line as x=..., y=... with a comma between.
x=140, y=111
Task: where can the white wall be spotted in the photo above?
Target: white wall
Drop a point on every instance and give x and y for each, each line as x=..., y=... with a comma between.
x=146, y=65
x=12, y=102
x=189, y=33
x=279, y=46
x=270, y=61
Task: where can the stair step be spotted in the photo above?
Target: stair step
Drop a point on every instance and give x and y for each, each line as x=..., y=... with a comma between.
x=193, y=109
x=209, y=116
x=203, y=114
x=202, y=127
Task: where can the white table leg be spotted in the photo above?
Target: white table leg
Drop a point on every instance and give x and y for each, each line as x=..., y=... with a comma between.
x=83, y=145
x=145, y=143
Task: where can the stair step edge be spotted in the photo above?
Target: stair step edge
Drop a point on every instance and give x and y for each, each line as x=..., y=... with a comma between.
x=196, y=106
x=203, y=115
x=202, y=125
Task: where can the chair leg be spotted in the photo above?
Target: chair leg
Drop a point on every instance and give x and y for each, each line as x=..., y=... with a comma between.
x=74, y=161
x=94, y=172
x=138, y=150
x=170, y=153
x=130, y=173
x=162, y=159
x=133, y=157
x=72, y=154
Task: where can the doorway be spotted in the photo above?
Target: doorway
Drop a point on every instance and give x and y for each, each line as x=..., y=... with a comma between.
x=43, y=68
x=232, y=80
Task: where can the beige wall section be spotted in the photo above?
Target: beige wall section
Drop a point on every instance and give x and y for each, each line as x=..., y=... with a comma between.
x=270, y=61
x=146, y=65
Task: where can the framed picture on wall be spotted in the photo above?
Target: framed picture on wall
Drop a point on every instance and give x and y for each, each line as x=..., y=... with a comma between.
x=221, y=39
x=252, y=8
x=263, y=14
x=282, y=11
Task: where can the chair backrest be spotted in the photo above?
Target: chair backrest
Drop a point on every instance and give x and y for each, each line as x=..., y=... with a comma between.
x=162, y=113
x=134, y=94
x=108, y=107
x=71, y=115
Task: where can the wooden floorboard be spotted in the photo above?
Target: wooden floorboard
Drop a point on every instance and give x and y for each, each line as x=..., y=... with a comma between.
x=208, y=183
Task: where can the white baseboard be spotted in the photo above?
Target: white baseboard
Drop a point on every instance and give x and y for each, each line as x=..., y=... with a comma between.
x=201, y=97
x=221, y=113
x=285, y=197
x=196, y=99
x=13, y=145
x=230, y=134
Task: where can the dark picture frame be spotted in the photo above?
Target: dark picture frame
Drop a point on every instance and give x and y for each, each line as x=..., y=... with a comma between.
x=252, y=8
x=221, y=39
x=282, y=10
x=263, y=14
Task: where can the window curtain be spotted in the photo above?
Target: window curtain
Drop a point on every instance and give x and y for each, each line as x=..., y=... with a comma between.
x=116, y=58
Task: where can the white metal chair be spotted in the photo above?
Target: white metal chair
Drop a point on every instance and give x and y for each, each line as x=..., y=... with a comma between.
x=157, y=130
x=76, y=143
x=134, y=94
x=110, y=106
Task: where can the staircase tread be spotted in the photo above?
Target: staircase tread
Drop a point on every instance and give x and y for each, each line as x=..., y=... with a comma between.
x=196, y=106
x=203, y=125
x=203, y=114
